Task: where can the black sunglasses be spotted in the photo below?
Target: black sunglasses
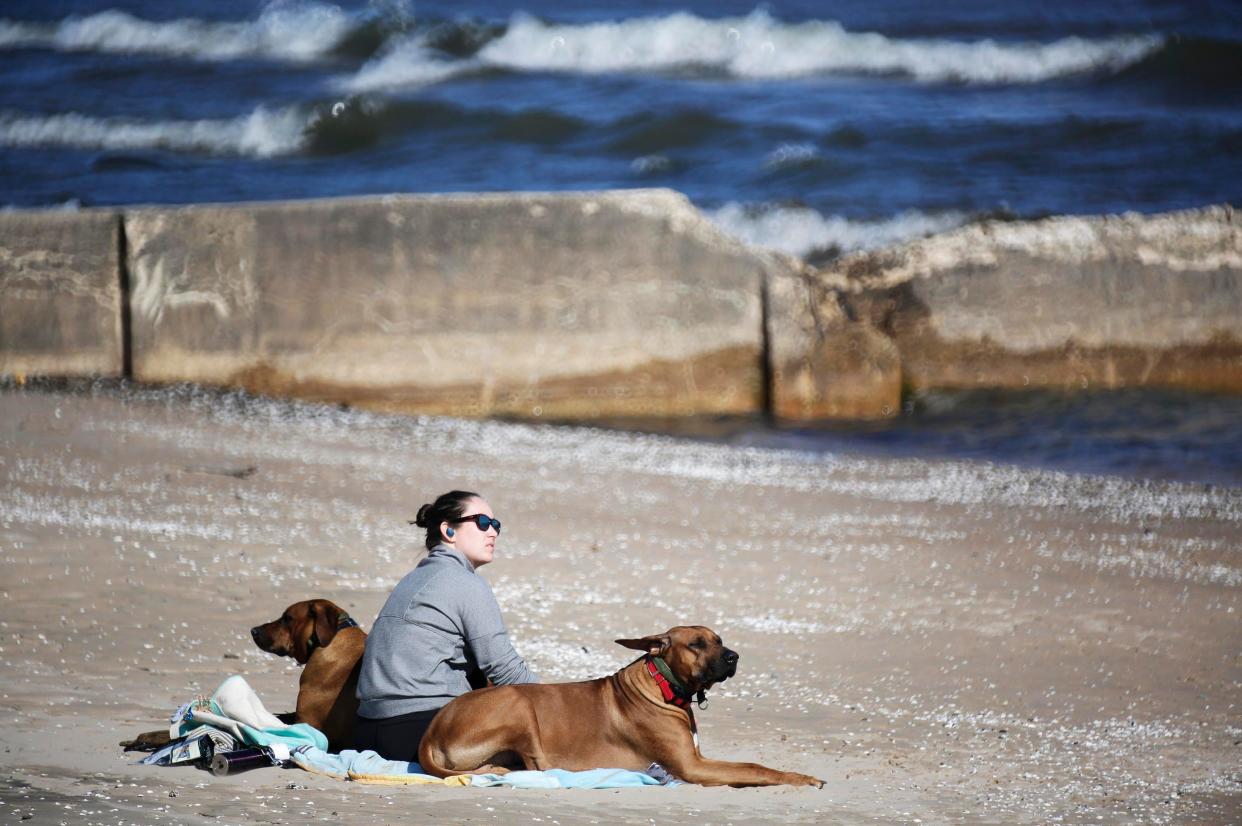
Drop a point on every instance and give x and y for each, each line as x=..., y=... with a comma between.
x=484, y=522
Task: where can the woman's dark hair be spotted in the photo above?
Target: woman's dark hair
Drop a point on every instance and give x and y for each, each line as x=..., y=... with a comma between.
x=446, y=508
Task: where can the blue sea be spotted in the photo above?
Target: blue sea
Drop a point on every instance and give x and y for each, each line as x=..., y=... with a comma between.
x=812, y=128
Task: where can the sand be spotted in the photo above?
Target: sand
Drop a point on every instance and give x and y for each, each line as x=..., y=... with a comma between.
x=941, y=642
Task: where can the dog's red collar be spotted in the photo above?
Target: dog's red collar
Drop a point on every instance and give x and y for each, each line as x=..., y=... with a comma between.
x=675, y=694
x=681, y=699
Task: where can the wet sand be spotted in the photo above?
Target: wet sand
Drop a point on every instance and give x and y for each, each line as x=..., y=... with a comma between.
x=941, y=642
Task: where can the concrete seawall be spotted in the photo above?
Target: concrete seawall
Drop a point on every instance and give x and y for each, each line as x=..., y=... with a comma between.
x=612, y=304
x=61, y=294
x=573, y=306
x=1117, y=301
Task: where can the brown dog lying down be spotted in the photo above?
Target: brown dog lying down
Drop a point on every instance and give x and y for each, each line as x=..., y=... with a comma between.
x=320, y=636
x=629, y=720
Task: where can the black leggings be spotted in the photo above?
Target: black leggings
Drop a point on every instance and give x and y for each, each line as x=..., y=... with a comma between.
x=395, y=738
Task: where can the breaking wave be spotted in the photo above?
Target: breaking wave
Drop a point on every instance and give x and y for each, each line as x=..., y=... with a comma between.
x=293, y=31
x=806, y=233
x=398, y=51
x=329, y=128
x=409, y=62
x=758, y=46
x=752, y=47
x=261, y=134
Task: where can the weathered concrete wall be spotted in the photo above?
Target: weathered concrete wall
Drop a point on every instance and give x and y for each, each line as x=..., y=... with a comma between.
x=1065, y=302
x=823, y=364
x=576, y=306
x=60, y=294
x=620, y=304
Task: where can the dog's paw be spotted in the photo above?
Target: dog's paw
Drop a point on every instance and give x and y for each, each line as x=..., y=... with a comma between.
x=796, y=779
x=147, y=741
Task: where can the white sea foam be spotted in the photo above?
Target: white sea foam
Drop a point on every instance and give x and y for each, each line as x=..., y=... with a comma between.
x=405, y=63
x=263, y=133
x=801, y=231
x=16, y=34
x=754, y=46
x=758, y=46
x=651, y=164
x=295, y=31
x=792, y=154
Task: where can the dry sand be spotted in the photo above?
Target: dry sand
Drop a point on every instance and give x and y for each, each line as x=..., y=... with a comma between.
x=941, y=642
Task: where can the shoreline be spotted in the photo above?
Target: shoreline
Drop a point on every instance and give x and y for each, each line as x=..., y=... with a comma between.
x=934, y=425
x=940, y=641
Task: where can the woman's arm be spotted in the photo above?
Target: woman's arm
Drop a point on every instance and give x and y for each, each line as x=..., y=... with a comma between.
x=488, y=640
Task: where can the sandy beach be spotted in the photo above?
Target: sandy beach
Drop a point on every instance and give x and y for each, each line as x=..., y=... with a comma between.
x=941, y=642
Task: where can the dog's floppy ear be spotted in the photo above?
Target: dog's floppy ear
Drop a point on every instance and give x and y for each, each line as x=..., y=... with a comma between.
x=325, y=616
x=653, y=645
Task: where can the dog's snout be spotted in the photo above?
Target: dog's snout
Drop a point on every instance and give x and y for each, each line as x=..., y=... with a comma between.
x=262, y=638
x=730, y=656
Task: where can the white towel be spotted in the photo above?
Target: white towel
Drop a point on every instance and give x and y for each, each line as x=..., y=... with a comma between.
x=238, y=701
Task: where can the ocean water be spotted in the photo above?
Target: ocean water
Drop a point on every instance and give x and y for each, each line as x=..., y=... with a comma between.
x=1166, y=435
x=812, y=127
x=809, y=127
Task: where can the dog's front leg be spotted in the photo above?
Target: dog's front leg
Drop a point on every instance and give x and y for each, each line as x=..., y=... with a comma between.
x=707, y=772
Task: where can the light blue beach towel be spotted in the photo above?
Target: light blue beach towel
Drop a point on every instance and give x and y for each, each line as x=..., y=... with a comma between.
x=369, y=767
x=307, y=748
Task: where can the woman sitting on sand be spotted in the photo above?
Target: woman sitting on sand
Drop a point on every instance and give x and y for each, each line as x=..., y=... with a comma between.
x=439, y=623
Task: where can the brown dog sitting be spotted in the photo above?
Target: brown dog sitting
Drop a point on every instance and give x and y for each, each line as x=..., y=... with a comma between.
x=629, y=720
x=320, y=636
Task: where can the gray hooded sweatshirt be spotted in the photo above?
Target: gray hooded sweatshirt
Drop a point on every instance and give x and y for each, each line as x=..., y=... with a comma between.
x=438, y=620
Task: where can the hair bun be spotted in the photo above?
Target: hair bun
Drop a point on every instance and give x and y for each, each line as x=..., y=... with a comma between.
x=423, y=513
